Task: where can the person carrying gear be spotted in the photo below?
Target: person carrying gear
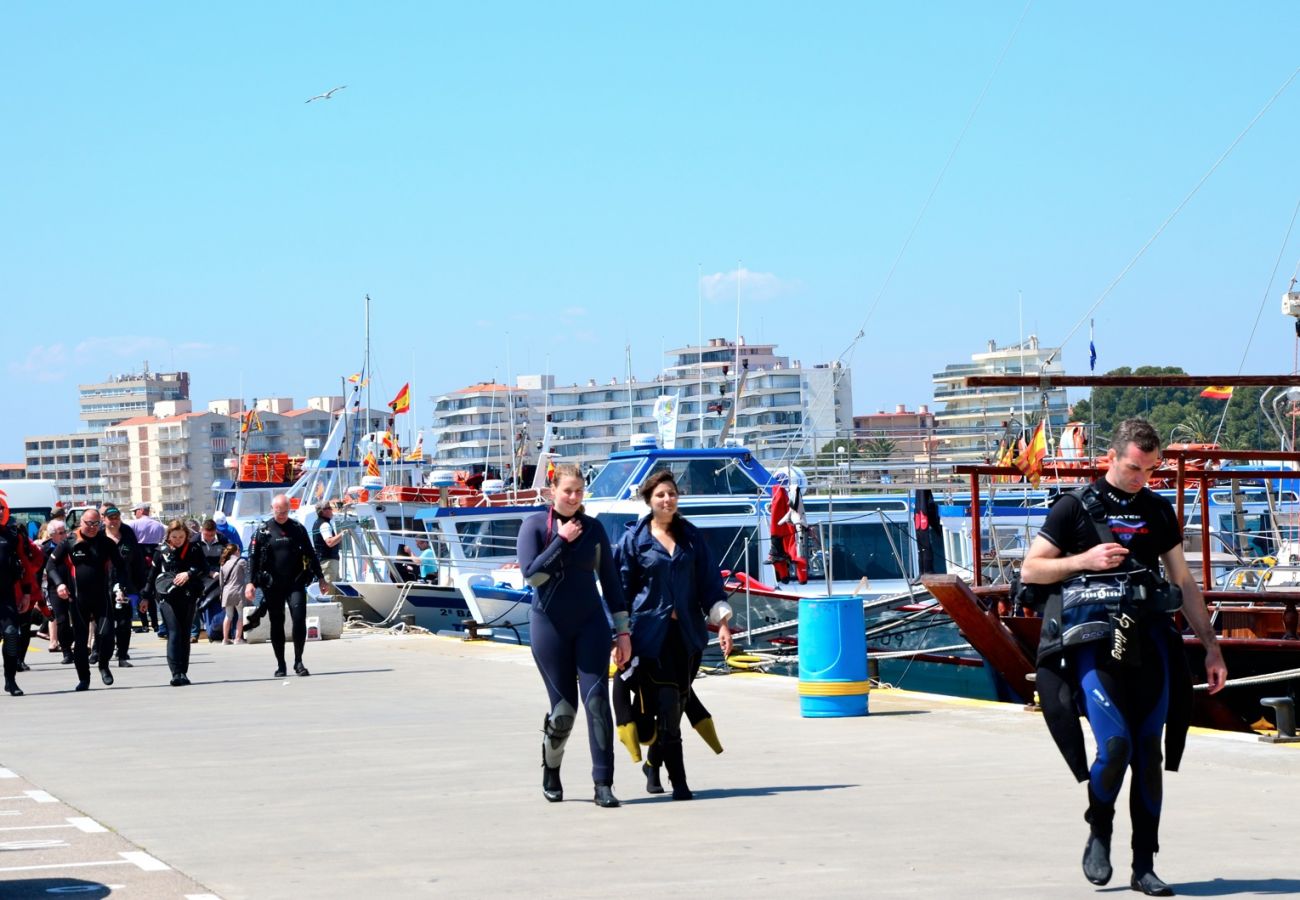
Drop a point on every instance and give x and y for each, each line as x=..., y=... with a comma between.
x=282, y=564
x=83, y=570
x=173, y=585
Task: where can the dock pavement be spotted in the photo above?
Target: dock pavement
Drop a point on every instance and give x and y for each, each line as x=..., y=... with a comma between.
x=409, y=766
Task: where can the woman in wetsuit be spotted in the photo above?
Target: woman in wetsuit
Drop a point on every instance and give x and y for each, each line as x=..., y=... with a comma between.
x=175, y=581
x=562, y=553
x=675, y=589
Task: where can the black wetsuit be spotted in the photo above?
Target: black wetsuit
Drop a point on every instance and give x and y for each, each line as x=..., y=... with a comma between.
x=209, y=603
x=569, y=630
x=670, y=596
x=88, y=569
x=130, y=574
x=1126, y=704
x=11, y=574
x=175, y=604
x=282, y=564
x=58, y=606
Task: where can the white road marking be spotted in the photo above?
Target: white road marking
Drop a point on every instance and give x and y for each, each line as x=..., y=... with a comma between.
x=32, y=845
x=146, y=862
x=32, y=827
x=9, y=812
x=5, y=773
x=69, y=865
x=41, y=796
x=202, y=897
x=86, y=824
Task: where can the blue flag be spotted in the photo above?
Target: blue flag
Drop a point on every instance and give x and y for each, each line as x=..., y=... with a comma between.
x=1092, y=357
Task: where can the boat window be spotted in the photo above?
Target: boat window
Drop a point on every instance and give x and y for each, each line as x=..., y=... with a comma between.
x=615, y=524
x=863, y=551
x=848, y=506
x=227, y=503
x=718, y=509
x=727, y=547
x=700, y=477
x=612, y=478
x=484, y=538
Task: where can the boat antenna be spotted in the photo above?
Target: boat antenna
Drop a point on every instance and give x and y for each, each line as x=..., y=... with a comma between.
x=366, y=368
x=699, y=349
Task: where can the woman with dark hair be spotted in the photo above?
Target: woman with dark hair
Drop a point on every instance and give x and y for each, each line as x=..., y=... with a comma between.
x=175, y=582
x=675, y=589
x=562, y=554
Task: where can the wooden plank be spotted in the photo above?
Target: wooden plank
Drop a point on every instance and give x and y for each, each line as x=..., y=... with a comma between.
x=986, y=633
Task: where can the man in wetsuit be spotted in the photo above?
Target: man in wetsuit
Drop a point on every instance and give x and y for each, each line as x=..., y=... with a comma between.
x=11, y=623
x=83, y=571
x=131, y=572
x=282, y=564
x=1120, y=663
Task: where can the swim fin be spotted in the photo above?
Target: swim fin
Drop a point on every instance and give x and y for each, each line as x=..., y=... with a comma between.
x=627, y=735
x=705, y=729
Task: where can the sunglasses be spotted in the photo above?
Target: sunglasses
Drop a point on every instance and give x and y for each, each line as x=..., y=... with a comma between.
x=91, y=523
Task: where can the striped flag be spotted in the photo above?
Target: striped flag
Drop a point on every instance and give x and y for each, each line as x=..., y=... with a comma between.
x=372, y=464
x=402, y=402
x=1217, y=392
x=1031, y=460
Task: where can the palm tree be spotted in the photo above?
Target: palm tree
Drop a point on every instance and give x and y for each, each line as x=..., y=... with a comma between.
x=878, y=449
x=1196, y=428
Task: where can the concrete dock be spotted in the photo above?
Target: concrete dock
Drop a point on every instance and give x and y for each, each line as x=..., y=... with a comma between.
x=409, y=767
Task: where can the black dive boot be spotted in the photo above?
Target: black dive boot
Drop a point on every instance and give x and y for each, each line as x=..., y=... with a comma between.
x=552, y=790
x=1144, y=876
x=605, y=796
x=652, y=783
x=12, y=688
x=555, y=734
x=1096, y=859
x=677, y=772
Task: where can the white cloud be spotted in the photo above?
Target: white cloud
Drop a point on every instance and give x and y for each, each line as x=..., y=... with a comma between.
x=121, y=347
x=574, y=312
x=42, y=363
x=721, y=286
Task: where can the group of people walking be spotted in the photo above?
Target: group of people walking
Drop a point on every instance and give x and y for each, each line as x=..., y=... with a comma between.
x=659, y=589
x=95, y=578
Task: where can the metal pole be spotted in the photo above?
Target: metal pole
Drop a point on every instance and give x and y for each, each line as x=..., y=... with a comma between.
x=1205, y=533
x=976, y=549
x=749, y=622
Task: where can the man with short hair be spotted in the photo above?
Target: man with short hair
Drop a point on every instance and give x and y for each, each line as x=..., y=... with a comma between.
x=82, y=570
x=428, y=561
x=150, y=533
x=130, y=574
x=213, y=545
x=326, y=541
x=282, y=564
x=1119, y=658
x=227, y=531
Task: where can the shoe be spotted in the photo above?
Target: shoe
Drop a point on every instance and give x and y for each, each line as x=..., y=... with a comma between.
x=652, y=783
x=23, y=667
x=139, y=629
x=552, y=790
x=240, y=641
x=605, y=797
x=300, y=670
x=82, y=686
x=12, y=688
x=176, y=681
x=1150, y=884
x=94, y=657
x=682, y=792
x=125, y=664
x=106, y=677
x=67, y=659
x=183, y=679
x=55, y=649
x=279, y=672
x=1096, y=860
x=194, y=640
x=227, y=641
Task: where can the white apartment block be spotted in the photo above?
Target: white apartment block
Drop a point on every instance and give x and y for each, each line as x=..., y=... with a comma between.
x=72, y=460
x=785, y=410
x=969, y=422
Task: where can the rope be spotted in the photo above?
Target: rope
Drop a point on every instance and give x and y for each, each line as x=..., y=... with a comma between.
x=1284, y=675
x=1173, y=215
x=903, y=654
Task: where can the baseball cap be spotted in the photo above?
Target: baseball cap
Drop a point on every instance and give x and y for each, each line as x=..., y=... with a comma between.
x=140, y=505
x=323, y=505
x=112, y=511
x=219, y=517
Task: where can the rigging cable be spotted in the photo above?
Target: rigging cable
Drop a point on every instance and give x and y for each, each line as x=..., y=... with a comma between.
x=1173, y=215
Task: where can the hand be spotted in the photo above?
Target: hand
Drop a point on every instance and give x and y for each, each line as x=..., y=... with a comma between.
x=571, y=530
x=724, y=639
x=181, y=578
x=62, y=591
x=324, y=585
x=1103, y=557
x=1216, y=672
x=622, y=650
x=144, y=606
x=249, y=592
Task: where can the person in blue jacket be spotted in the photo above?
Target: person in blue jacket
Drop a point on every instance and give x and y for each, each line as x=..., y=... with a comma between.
x=562, y=554
x=676, y=592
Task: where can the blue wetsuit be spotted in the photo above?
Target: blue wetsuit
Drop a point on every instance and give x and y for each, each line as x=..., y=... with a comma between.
x=569, y=628
x=1126, y=704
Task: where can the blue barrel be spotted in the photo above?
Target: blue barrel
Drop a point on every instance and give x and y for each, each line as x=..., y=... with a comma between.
x=832, y=657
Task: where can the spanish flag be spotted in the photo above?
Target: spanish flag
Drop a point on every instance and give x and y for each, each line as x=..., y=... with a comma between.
x=402, y=402
x=372, y=464
x=390, y=443
x=1031, y=460
x=1217, y=392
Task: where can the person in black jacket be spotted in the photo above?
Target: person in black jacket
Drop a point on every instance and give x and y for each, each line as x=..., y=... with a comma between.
x=11, y=576
x=83, y=570
x=674, y=588
x=282, y=564
x=561, y=554
x=56, y=532
x=174, y=583
x=130, y=570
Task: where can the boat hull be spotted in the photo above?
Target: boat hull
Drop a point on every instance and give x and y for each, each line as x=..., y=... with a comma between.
x=433, y=606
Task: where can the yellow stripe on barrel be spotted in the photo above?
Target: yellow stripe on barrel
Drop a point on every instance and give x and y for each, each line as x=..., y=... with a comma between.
x=833, y=688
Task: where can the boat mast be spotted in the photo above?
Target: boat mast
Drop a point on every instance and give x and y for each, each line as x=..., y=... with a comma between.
x=699, y=348
x=366, y=368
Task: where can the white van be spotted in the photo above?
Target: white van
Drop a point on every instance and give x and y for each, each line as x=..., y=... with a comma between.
x=27, y=503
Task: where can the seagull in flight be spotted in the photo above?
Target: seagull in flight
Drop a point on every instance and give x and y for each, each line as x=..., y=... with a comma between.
x=328, y=94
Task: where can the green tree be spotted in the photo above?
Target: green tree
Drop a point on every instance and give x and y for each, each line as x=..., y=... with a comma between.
x=878, y=449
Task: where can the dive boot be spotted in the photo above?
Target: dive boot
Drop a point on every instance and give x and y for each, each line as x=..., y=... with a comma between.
x=1096, y=860
x=1150, y=884
x=605, y=797
x=552, y=790
x=652, y=783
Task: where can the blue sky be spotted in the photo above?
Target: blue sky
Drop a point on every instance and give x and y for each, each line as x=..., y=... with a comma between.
x=522, y=188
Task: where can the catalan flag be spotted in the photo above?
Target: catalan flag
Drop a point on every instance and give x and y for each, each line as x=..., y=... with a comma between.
x=402, y=402
x=1217, y=392
x=416, y=453
x=252, y=422
x=372, y=464
x=1031, y=460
